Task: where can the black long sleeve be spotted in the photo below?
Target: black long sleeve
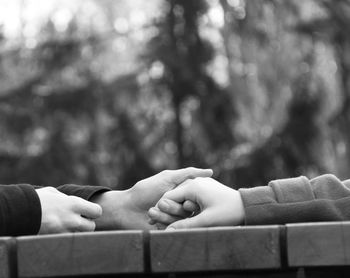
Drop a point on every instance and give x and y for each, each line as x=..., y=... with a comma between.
x=20, y=207
x=20, y=210
x=82, y=191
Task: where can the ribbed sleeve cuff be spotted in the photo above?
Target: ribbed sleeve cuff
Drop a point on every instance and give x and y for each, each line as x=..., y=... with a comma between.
x=20, y=210
x=257, y=196
x=292, y=190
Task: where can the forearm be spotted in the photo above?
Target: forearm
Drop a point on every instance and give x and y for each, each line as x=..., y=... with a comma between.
x=121, y=211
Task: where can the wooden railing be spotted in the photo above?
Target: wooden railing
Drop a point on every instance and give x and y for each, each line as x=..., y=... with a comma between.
x=295, y=250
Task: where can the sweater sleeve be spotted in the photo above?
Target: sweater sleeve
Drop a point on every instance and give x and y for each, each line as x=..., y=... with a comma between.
x=83, y=191
x=20, y=210
x=324, y=198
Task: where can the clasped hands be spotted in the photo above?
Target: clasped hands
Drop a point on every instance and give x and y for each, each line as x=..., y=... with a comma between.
x=199, y=202
x=111, y=210
x=172, y=199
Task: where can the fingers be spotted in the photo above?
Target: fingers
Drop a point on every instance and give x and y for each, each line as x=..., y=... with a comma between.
x=160, y=217
x=181, y=193
x=168, y=211
x=85, y=225
x=87, y=209
x=190, y=206
x=180, y=175
x=173, y=208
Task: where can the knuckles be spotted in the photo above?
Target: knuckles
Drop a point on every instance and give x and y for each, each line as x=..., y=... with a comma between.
x=165, y=173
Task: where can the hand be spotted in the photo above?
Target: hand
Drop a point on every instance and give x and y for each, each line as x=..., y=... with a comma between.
x=62, y=213
x=128, y=209
x=218, y=204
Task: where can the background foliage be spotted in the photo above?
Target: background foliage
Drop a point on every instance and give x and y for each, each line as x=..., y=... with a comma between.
x=110, y=92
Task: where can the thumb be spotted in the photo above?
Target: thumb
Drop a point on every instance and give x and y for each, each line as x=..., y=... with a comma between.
x=179, y=176
x=191, y=222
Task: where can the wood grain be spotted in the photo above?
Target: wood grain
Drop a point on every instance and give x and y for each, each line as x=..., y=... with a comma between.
x=7, y=257
x=80, y=254
x=215, y=249
x=318, y=244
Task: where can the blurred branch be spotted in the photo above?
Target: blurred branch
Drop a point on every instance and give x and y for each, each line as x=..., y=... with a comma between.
x=22, y=90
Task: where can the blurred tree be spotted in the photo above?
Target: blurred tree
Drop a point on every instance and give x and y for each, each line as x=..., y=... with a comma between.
x=297, y=149
x=258, y=35
x=61, y=116
x=331, y=27
x=106, y=94
x=185, y=55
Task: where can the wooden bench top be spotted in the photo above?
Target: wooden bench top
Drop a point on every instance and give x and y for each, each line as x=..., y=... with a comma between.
x=293, y=250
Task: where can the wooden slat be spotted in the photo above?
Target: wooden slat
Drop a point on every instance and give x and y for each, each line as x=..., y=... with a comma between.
x=7, y=257
x=215, y=249
x=234, y=274
x=318, y=244
x=80, y=254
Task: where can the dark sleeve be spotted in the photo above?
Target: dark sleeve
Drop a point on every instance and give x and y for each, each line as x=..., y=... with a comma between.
x=20, y=210
x=82, y=191
x=324, y=198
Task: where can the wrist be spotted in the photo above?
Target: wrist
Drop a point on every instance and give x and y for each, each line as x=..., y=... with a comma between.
x=114, y=209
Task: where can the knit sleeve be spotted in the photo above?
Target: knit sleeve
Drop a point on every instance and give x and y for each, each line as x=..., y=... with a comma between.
x=324, y=198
